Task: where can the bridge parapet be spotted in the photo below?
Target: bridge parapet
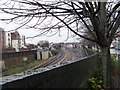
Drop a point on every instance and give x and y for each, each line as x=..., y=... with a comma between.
x=70, y=75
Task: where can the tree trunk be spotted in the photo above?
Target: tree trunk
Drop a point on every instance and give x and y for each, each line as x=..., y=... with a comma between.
x=107, y=67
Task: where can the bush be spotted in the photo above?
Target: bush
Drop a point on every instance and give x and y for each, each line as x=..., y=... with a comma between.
x=96, y=82
x=54, y=52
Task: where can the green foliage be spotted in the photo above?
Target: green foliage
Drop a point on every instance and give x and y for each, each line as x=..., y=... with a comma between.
x=28, y=65
x=96, y=82
x=88, y=50
x=113, y=56
x=115, y=63
x=54, y=52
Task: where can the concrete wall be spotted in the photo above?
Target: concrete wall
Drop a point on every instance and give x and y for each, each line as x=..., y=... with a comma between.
x=2, y=65
x=45, y=55
x=73, y=75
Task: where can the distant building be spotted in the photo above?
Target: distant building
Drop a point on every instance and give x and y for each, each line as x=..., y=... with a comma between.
x=31, y=46
x=2, y=38
x=117, y=46
x=116, y=42
x=13, y=40
x=8, y=40
x=23, y=43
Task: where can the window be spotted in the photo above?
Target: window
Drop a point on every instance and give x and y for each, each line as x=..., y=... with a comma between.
x=8, y=39
x=9, y=44
x=8, y=34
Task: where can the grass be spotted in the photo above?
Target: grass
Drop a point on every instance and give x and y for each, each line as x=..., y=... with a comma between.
x=115, y=63
x=28, y=65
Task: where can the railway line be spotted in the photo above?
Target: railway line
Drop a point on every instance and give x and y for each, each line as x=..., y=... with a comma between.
x=65, y=54
x=68, y=56
x=54, y=59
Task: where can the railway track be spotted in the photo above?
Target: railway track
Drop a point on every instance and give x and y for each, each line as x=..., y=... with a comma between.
x=66, y=54
x=53, y=60
x=63, y=56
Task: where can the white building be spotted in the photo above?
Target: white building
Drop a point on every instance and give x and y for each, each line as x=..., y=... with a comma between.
x=116, y=43
x=13, y=40
x=22, y=41
x=8, y=40
x=16, y=45
x=117, y=46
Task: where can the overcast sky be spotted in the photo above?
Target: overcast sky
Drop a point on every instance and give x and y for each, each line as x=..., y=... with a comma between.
x=30, y=32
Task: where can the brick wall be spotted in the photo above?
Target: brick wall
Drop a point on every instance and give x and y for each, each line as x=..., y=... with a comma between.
x=15, y=58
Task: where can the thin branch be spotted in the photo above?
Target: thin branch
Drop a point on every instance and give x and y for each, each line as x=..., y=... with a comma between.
x=67, y=25
x=115, y=26
x=83, y=21
x=113, y=10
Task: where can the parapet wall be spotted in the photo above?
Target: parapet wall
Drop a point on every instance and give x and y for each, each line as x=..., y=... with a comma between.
x=72, y=75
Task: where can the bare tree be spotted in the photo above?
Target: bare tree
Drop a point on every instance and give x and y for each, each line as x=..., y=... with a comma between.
x=104, y=17
x=85, y=42
x=43, y=43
